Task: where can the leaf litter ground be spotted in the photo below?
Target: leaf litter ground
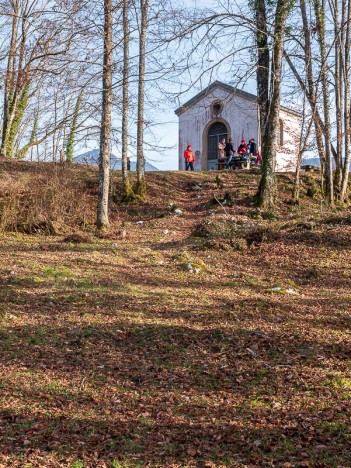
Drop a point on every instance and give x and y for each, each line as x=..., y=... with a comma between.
x=114, y=354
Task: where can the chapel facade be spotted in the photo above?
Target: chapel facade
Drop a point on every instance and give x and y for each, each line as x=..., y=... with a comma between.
x=222, y=111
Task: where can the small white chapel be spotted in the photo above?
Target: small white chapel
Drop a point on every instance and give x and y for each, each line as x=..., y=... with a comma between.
x=222, y=111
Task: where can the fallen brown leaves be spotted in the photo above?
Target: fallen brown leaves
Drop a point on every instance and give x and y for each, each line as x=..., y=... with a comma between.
x=113, y=356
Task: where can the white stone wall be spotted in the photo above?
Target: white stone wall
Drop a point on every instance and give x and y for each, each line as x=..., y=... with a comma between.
x=240, y=115
x=287, y=154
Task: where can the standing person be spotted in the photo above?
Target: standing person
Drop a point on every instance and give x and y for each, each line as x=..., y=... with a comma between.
x=189, y=158
x=128, y=164
x=253, y=151
x=252, y=147
x=229, y=152
x=221, y=154
x=258, y=160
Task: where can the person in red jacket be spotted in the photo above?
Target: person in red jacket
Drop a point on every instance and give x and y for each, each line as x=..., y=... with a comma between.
x=189, y=158
x=243, y=150
x=259, y=159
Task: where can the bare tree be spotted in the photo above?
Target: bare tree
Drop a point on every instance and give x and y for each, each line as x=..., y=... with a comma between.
x=73, y=129
x=127, y=189
x=105, y=135
x=141, y=184
x=272, y=81
x=39, y=59
x=346, y=66
x=326, y=56
x=263, y=63
x=321, y=34
x=306, y=125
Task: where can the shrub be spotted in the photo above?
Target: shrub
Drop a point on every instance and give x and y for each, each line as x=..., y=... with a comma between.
x=312, y=188
x=45, y=202
x=225, y=244
x=208, y=229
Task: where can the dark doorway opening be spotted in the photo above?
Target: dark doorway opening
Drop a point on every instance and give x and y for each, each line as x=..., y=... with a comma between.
x=216, y=132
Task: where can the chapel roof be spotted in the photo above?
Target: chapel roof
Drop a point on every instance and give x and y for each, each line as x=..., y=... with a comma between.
x=231, y=90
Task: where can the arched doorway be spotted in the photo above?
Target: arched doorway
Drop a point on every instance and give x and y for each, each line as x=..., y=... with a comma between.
x=216, y=132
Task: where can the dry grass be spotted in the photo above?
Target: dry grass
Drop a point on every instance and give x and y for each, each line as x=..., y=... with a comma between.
x=47, y=201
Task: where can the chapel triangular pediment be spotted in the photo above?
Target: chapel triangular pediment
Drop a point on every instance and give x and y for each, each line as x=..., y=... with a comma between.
x=231, y=90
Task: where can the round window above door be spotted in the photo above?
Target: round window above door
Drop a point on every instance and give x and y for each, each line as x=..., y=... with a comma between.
x=216, y=107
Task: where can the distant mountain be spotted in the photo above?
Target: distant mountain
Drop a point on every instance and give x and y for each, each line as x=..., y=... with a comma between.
x=315, y=162
x=311, y=162
x=91, y=158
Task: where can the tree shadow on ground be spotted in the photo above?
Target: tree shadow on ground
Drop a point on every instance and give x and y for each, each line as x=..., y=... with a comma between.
x=161, y=438
x=117, y=360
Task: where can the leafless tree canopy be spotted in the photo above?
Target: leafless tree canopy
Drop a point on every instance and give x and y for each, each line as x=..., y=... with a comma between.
x=51, y=64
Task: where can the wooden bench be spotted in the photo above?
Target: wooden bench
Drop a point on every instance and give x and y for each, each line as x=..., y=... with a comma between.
x=221, y=165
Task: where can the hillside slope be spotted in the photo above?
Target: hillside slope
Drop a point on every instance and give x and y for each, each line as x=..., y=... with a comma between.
x=34, y=196
x=214, y=336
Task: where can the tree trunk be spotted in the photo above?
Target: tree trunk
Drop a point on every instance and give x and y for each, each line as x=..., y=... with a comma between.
x=21, y=153
x=54, y=136
x=127, y=189
x=105, y=133
x=267, y=188
x=263, y=64
x=141, y=185
x=73, y=130
x=320, y=26
x=338, y=31
x=302, y=148
x=347, y=105
x=9, y=80
x=311, y=87
x=18, y=83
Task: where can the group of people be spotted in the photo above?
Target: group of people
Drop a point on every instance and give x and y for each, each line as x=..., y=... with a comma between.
x=228, y=157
